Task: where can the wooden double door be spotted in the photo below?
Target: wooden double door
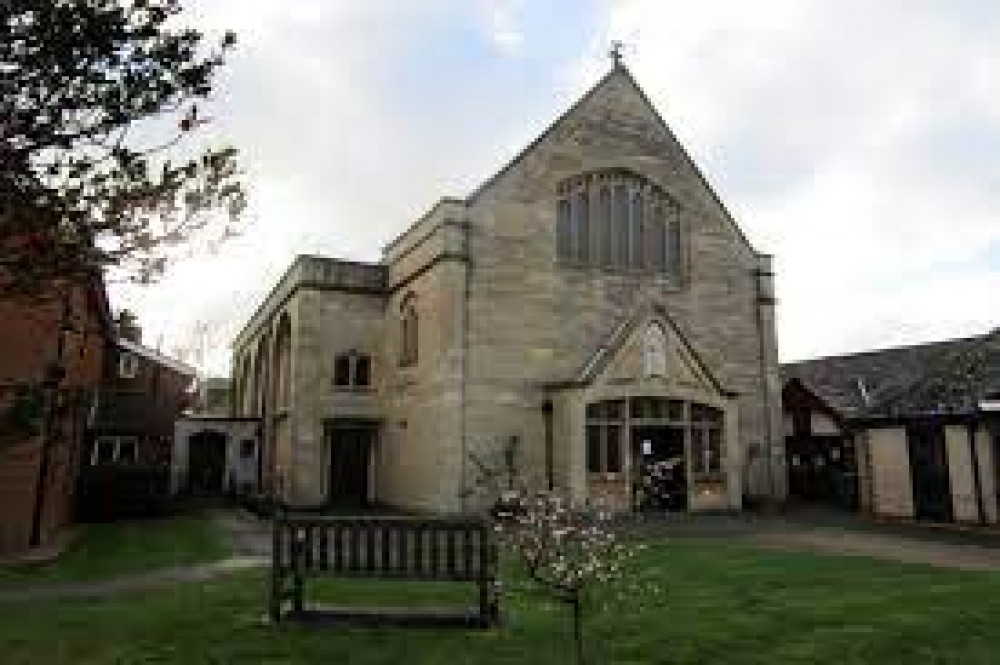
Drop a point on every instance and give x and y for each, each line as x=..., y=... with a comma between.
x=351, y=444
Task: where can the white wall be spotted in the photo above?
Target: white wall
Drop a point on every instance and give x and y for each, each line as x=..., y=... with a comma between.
x=893, y=494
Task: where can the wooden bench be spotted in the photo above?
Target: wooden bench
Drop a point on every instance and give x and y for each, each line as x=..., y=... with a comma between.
x=397, y=548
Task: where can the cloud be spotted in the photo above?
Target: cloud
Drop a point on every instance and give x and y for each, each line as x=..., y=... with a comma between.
x=502, y=25
x=856, y=141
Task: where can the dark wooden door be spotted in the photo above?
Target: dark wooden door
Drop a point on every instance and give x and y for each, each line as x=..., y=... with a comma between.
x=929, y=473
x=207, y=462
x=350, y=450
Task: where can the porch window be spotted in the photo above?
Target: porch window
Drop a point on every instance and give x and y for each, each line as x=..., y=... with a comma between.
x=706, y=440
x=605, y=426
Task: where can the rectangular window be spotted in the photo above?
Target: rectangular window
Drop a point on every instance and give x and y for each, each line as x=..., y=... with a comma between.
x=613, y=449
x=342, y=370
x=594, y=448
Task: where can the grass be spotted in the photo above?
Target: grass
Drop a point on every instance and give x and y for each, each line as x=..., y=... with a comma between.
x=717, y=603
x=103, y=551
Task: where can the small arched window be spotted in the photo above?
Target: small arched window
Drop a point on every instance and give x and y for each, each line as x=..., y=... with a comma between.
x=654, y=351
x=409, y=332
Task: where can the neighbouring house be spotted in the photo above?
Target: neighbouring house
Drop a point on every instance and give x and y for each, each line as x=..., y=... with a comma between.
x=215, y=452
x=594, y=299
x=52, y=352
x=145, y=392
x=910, y=432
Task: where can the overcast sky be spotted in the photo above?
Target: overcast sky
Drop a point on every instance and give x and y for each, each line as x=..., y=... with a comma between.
x=857, y=141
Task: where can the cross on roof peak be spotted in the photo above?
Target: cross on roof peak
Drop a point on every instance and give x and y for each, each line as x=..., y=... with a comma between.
x=615, y=52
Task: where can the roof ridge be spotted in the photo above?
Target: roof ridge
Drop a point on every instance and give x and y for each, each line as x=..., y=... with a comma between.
x=887, y=349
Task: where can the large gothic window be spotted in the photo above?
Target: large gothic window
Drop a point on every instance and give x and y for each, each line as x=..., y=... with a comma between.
x=619, y=221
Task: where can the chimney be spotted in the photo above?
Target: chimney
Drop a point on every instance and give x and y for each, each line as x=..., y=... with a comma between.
x=128, y=326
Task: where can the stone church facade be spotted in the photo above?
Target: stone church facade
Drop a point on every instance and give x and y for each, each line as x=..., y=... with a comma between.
x=593, y=299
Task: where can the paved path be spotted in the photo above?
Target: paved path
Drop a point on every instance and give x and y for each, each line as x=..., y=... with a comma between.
x=942, y=554
x=944, y=546
x=250, y=541
x=139, y=582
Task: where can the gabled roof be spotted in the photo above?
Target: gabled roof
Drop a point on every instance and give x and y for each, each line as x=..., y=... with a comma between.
x=597, y=361
x=947, y=376
x=618, y=70
x=156, y=357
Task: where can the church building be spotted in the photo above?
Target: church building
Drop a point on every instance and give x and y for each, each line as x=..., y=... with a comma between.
x=594, y=299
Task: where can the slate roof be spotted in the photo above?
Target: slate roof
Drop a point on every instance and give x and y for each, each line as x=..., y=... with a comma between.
x=939, y=377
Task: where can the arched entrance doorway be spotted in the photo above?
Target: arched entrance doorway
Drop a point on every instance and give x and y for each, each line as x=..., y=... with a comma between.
x=207, y=462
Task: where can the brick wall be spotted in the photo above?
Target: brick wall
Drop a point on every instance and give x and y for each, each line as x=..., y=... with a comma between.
x=28, y=343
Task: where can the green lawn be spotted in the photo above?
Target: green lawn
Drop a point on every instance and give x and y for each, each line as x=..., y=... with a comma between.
x=103, y=551
x=719, y=604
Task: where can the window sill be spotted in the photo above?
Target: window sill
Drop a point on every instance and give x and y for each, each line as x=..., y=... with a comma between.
x=620, y=272
x=353, y=390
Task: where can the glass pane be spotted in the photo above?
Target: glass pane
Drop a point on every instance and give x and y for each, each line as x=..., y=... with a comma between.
x=127, y=452
x=715, y=449
x=581, y=226
x=675, y=410
x=656, y=240
x=638, y=407
x=105, y=451
x=606, y=227
x=563, y=234
x=594, y=411
x=698, y=449
x=621, y=226
x=674, y=248
x=614, y=463
x=342, y=370
x=615, y=409
x=636, y=223
x=593, y=448
x=362, y=370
